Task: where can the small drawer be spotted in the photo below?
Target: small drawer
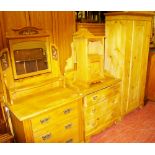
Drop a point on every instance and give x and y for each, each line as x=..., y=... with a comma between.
x=68, y=111
x=72, y=139
x=43, y=120
x=91, y=124
x=68, y=127
x=100, y=95
x=45, y=135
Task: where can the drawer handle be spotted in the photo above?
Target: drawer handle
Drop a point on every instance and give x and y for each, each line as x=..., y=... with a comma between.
x=93, y=110
x=47, y=136
x=42, y=121
x=95, y=97
x=69, y=141
x=67, y=111
x=68, y=126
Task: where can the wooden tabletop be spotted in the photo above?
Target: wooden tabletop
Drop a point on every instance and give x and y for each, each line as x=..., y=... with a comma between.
x=42, y=101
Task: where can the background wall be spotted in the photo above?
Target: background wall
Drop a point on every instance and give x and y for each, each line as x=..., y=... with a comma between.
x=60, y=24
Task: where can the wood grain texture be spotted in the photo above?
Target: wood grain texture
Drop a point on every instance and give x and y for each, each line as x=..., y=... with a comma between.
x=1, y=31
x=63, y=28
x=22, y=130
x=127, y=44
x=60, y=24
x=94, y=28
x=150, y=86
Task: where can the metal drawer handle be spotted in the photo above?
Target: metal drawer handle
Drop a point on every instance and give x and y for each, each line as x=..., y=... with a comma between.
x=68, y=126
x=42, y=121
x=69, y=141
x=93, y=110
x=47, y=136
x=95, y=97
x=67, y=111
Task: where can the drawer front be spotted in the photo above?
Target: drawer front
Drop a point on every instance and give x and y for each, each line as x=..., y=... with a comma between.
x=91, y=124
x=71, y=139
x=68, y=111
x=100, y=114
x=52, y=117
x=100, y=95
x=70, y=132
x=61, y=132
x=46, y=136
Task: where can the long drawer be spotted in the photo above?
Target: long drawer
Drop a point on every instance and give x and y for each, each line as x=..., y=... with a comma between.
x=50, y=118
x=67, y=131
x=100, y=95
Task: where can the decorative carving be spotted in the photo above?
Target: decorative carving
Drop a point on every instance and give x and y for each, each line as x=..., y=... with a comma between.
x=54, y=53
x=83, y=33
x=27, y=31
x=4, y=61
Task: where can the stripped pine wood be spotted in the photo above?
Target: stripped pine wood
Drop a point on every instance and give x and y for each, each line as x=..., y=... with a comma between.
x=127, y=46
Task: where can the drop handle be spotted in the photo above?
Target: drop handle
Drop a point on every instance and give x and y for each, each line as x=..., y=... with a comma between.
x=69, y=141
x=67, y=111
x=95, y=97
x=93, y=110
x=68, y=126
x=42, y=121
x=47, y=136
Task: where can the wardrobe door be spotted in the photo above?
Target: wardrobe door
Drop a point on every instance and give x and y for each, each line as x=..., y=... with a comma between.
x=117, y=54
x=138, y=65
x=145, y=61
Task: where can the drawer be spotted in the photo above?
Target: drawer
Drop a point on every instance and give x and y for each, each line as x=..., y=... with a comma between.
x=68, y=111
x=91, y=124
x=100, y=95
x=51, y=118
x=61, y=132
x=46, y=136
x=74, y=138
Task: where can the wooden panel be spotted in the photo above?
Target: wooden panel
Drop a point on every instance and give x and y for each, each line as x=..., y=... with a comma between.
x=150, y=87
x=63, y=27
x=126, y=55
x=135, y=67
x=143, y=70
x=60, y=24
x=94, y=28
x=1, y=32
x=22, y=130
x=14, y=19
x=41, y=19
x=117, y=62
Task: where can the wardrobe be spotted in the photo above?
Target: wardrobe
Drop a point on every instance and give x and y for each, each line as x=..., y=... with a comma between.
x=126, y=54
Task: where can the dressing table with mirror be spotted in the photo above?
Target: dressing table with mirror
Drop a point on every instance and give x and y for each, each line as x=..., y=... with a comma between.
x=42, y=108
